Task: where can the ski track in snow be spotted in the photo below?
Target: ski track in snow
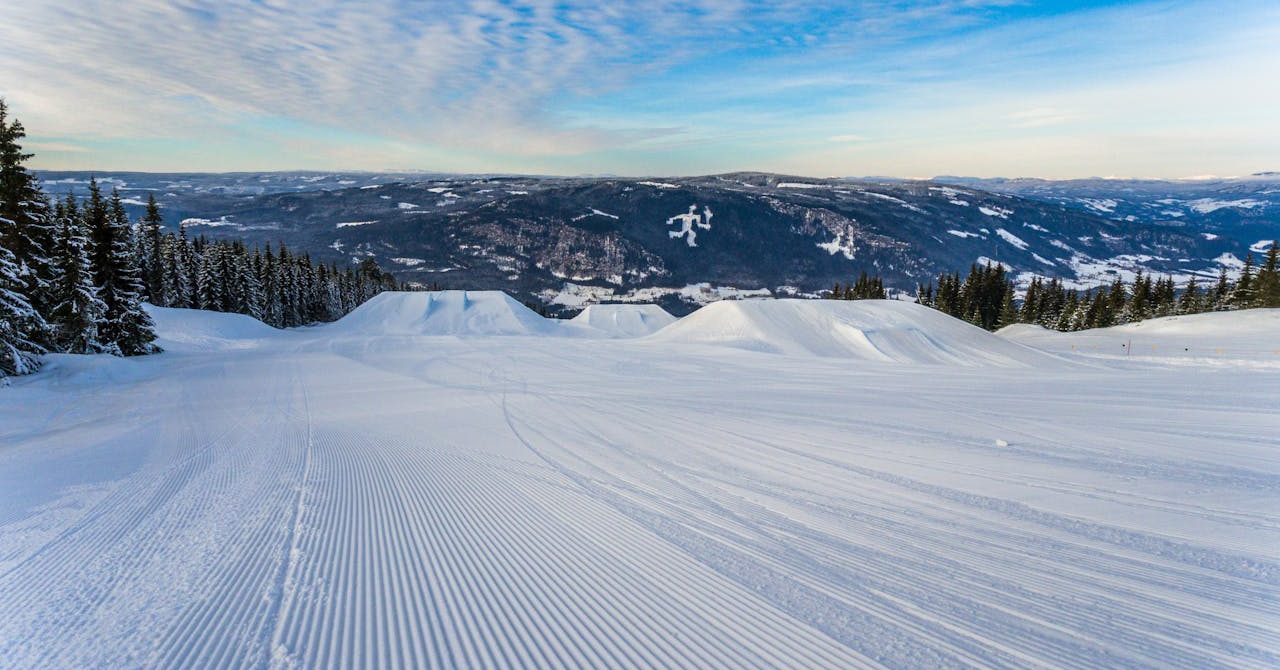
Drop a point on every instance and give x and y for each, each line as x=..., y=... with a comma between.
x=411, y=501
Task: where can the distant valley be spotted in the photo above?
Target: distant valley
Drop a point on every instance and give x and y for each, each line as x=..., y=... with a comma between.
x=564, y=242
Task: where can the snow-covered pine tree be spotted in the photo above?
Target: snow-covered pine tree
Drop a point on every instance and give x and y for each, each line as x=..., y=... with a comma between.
x=177, y=280
x=193, y=249
x=333, y=293
x=209, y=288
x=291, y=315
x=127, y=328
x=272, y=308
x=28, y=230
x=77, y=309
x=19, y=353
x=151, y=246
x=248, y=289
x=1189, y=302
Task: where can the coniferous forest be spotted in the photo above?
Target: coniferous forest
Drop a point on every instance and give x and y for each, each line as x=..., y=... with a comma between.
x=74, y=274
x=986, y=297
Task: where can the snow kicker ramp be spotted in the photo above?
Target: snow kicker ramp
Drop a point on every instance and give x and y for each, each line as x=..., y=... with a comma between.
x=624, y=320
x=870, y=330
x=443, y=313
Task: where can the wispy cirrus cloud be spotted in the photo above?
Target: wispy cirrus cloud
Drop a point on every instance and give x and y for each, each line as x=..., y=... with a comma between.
x=546, y=85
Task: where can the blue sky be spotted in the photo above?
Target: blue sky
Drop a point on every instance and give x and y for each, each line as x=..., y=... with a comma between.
x=1053, y=89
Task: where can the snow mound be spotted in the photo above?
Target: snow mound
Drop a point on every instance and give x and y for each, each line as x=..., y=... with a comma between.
x=624, y=320
x=200, y=330
x=1246, y=337
x=442, y=313
x=871, y=330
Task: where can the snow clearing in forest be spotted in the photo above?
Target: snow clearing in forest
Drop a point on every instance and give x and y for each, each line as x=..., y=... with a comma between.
x=449, y=480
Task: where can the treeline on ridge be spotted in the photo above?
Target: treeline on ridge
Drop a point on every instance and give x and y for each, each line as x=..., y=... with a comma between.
x=986, y=297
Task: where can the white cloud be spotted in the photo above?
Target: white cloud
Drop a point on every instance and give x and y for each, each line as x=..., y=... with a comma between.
x=60, y=147
x=578, y=86
x=476, y=74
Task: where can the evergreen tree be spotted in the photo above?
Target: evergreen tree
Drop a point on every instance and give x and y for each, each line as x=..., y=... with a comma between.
x=1008, y=313
x=1267, y=284
x=77, y=310
x=1218, y=299
x=1189, y=302
x=127, y=329
x=1139, y=306
x=151, y=247
x=26, y=229
x=1245, y=294
x=1067, y=315
x=178, y=289
x=19, y=352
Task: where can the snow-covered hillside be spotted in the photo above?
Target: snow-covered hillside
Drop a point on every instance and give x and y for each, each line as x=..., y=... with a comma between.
x=1249, y=338
x=414, y=486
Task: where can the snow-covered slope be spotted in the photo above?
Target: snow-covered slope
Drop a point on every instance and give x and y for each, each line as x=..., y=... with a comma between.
x=872, y=330
x=624, y=320
x=356, y=496
x=1246, y=338
x=442, y=313
x=199, y=330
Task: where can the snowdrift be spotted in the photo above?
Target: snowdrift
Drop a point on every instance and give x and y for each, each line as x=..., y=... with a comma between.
x=624, y=320
x=1249, y=336
x=442, y=313
x=200, y=330
x=871, y=330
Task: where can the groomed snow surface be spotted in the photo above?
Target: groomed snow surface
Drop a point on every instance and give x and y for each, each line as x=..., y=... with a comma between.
x=447, y=480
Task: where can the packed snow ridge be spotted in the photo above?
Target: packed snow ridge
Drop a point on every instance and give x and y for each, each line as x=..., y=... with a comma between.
x=869, y=330
x=442, y=313
x=623, y=320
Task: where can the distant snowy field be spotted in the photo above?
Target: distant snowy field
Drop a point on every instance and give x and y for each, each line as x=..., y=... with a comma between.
x=448, y=480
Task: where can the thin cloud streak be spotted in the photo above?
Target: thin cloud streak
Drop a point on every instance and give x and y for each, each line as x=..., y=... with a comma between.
x=548, y=86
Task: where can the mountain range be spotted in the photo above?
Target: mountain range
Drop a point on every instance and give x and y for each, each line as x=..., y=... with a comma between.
x=568, y=241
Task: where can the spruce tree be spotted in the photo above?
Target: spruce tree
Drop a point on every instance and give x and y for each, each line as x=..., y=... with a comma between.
x=1245, y=294
x=1189, y=302
x=1117, y=298
x=19, y=352
x=177, y=281
x=1267, y=284
x=1008, y=313
x=127, y=329
x=1218, y=299
x=152, y=261
x=26, y=228
x=77, y=309
x=1138, y=306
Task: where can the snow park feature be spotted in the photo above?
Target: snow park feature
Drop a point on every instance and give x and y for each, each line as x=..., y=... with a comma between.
x=458, y=313
x=624, y=320
x=868, y=330
x=448, y=480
